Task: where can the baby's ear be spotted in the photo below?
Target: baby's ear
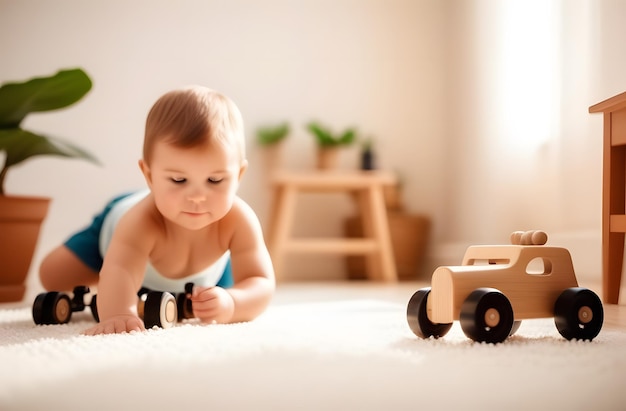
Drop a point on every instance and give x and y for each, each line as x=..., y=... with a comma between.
x=242, y=168
x=146, y=172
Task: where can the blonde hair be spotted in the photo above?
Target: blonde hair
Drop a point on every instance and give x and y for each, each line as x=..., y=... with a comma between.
x=191, y=117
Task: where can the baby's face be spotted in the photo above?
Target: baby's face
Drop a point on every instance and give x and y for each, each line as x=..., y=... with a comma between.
x=193, y=187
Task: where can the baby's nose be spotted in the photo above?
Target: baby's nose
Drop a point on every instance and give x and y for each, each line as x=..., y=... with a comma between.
x=197, y=198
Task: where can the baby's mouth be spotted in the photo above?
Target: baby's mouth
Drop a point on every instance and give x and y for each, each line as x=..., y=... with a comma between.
x=194, y=213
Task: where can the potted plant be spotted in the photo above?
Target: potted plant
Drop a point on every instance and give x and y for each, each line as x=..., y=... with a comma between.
x=21, y=217
x=328, y=143
x=271, y=138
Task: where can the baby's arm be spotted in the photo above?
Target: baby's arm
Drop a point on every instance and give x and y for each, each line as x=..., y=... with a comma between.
x=121, y=277
x=252, y=271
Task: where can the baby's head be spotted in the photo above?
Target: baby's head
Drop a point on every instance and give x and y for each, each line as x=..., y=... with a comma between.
x=193, y=155
x=194, y=116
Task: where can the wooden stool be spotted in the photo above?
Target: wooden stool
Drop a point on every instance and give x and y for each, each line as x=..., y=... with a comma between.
x=613, y=194
x=368, y=186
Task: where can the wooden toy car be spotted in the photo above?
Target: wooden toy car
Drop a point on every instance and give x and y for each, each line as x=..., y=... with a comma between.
x=56, y=308
x=155, y=308
x=498, y=286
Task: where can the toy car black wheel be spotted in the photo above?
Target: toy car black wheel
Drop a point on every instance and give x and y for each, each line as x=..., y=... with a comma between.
x=418, y=319
x=184, y=303
x=52, y=308
x=185, y=310
x=159, y=310
x=93, y=305
x=578, y=314
x=516, y=325
x=487, y=316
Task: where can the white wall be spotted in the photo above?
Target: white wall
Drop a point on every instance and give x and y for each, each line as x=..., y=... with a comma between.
x=371, y=64
x=424, y=77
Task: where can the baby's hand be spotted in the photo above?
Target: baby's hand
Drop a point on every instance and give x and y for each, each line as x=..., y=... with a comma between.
x=117, y=324
x=212, y=304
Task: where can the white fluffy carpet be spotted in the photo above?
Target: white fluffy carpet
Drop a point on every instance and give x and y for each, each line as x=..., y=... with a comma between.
x=352, y=354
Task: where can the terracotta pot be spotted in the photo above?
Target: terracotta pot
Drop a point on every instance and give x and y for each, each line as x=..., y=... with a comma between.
x=20, y=221
x=272, y=156
x=327, y=158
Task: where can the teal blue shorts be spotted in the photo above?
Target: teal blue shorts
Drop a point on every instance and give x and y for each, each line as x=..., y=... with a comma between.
x=85, y=244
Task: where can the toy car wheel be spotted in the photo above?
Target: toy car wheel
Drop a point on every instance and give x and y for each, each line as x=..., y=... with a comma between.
x=185, y=309
x=516, y=325
x=38, y=311
x=159, y=310
x=184, y=303
x=578, y=314
x=93, y=305
x=52, y=308
x=487, y=316
x=418, y=319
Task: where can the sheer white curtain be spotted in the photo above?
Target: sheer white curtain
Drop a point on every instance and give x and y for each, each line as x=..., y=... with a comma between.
x=504, y=159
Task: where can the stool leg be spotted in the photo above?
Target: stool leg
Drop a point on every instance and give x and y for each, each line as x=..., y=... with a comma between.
x=283, y=213
x=381, y=233
x=373, y=263
x=275, y=213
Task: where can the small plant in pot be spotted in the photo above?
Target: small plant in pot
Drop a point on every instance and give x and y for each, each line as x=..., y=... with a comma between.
x=329, y=143
x=21, y=217
x=271, y=139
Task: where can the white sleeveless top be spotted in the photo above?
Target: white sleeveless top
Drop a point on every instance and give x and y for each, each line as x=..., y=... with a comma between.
x=153, y=279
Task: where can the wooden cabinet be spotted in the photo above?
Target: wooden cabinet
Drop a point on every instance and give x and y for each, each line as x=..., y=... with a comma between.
x=613, y=193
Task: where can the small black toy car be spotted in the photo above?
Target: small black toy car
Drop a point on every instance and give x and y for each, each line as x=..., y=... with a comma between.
x=155, y=308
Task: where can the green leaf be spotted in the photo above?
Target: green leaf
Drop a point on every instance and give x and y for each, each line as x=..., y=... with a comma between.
x=41, y=94
x=347, y=137
x=272, y=134
x=325, y=138
x=20, y=145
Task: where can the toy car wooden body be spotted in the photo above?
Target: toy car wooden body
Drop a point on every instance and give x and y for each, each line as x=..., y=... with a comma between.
x=498, y=286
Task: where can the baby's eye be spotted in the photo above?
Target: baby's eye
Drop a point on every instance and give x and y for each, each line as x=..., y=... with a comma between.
x=178, y=180
x=215, y=180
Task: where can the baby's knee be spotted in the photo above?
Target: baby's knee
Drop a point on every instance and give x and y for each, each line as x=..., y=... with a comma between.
x=61, y=270
x=48, y=272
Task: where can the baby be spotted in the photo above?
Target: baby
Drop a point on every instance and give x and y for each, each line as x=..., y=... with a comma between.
x=189, y=225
